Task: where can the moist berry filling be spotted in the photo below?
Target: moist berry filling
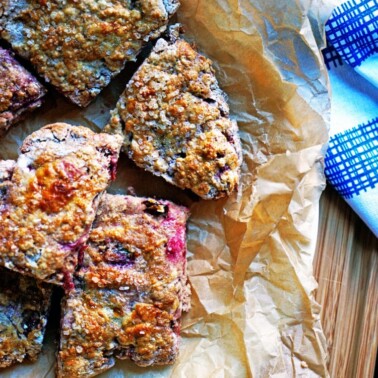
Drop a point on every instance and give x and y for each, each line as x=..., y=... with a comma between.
x=108, y=153
x=222, y=170
x=155, y=208
x=116, y=254
x=113, y=168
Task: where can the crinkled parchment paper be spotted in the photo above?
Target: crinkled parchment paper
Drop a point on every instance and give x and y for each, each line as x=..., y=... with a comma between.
x=250, y=256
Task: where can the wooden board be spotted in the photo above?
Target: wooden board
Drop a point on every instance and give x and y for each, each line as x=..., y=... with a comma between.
x=346, y=267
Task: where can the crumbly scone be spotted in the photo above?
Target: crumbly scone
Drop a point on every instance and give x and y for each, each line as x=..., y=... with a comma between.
x=175, y=122
x=130, y=290
x=20, y=92
x=24, y=307
x=24, y=302
x=78, y=46
x=52, y=199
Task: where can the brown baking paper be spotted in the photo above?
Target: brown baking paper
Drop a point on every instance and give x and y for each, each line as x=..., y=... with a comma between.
x=250, y=256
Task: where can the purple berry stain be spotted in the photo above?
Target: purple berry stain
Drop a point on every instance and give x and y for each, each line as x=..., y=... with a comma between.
x=176, y=243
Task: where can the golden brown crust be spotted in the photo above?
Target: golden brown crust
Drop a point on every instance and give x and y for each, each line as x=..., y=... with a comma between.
x=175, y=122
x=78, y=46
x=52, y=199
x=19, y=91
x=130, y=290
x=24, y=305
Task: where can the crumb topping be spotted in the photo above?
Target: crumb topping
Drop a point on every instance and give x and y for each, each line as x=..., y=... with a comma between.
x=129, y=292
x=176, y=124
x=78, y=46
x=52, y=199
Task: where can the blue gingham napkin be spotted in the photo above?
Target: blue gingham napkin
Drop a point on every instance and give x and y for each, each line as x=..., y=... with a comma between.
x=351, y=56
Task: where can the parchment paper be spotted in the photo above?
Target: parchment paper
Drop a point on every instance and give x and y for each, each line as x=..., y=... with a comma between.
x=250, y=256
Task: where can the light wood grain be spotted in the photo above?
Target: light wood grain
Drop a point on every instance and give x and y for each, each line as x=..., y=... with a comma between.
x=346, y=267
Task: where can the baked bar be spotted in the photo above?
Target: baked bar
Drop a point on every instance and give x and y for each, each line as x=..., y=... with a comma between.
x=24, y=302
x=78, y=46
x=52, y=199
x=130, y=290
x=20, y=91
x=24, y=307
x=175, y=121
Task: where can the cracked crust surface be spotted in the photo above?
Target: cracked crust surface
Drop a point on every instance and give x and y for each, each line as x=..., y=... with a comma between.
x=19, y=91
x=175, y=122
x=52, y=199
x=78, y=46
x=24, y=306
x=130, y=290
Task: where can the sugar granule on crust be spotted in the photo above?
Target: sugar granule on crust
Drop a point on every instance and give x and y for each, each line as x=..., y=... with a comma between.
x=52, y=198
x=130, y=291
x=78, y=46
x=175, y=122
x=20, y=92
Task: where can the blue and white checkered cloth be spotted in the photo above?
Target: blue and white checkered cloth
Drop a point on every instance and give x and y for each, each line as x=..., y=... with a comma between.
x=351, y=56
